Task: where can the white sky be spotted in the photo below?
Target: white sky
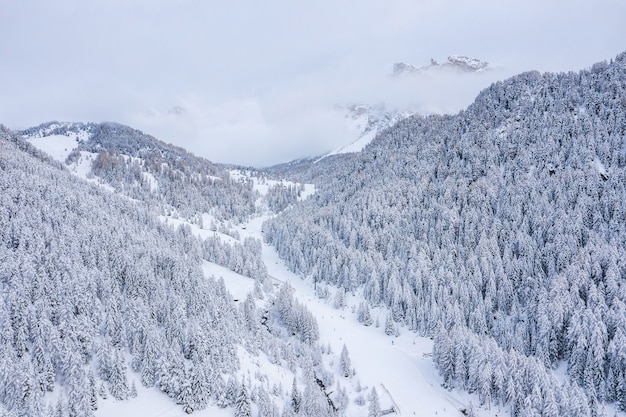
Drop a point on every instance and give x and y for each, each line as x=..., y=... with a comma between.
x=258, y=80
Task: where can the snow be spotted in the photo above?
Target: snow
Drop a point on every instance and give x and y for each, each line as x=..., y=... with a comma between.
x=60, y=146
x=152, y=402
x=358, y=121
x=151, y=180
x=262, y=185
x=57, y=146
x=196, y=230
x=358, y=145
x=400, y=368
x=599, y=166
x=366, y=121
x=309, y=190
x=238, y=286
x=82, y=166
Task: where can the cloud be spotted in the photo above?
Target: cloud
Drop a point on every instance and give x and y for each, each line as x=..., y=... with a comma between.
x=258, y=80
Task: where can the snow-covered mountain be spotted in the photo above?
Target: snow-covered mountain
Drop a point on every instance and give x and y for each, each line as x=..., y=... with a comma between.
x=142, y=167
x=454, y=62
x=331, y=344
x=366, y=121
x=134, y=301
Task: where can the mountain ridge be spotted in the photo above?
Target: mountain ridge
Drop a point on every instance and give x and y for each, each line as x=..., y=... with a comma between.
x=454, y=62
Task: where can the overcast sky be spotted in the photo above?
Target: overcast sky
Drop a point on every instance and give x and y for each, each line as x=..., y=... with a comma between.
x=256, y=82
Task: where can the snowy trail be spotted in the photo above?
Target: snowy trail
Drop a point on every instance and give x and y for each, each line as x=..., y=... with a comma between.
x=397, y=363
x=398, y=367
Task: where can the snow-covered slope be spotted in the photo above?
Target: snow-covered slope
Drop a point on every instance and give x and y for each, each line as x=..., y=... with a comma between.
x=520, y=194
x=366, y=121
x=144, y=168
x=399, y=367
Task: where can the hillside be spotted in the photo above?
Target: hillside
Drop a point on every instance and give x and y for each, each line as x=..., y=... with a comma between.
x=499, y=231
x=103, y=300
x=142, y=167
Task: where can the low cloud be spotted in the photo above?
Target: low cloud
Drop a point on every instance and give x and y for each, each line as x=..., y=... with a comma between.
x=256, y=83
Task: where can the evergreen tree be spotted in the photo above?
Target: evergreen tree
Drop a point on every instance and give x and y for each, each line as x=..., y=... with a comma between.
x=374, y=404
x=242, y=405
x=296, y=398
x=344, y=362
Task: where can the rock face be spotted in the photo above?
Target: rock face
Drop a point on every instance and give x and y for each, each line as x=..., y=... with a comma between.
x=400, y=68
x=456, y=62
x=466, y=63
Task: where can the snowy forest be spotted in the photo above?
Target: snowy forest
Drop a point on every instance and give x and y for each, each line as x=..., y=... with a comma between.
x=498, y=232
x=101, y=296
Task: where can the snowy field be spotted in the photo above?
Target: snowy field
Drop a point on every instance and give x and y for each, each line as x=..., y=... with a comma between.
x=57, y=146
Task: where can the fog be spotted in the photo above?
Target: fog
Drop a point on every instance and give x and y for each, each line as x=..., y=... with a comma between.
x=257, y=83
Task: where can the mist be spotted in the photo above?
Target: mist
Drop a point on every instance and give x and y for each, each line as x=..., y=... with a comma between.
x=259, y=83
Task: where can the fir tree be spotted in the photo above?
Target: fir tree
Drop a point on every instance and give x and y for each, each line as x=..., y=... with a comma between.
x=242, y=405
x=374, y=404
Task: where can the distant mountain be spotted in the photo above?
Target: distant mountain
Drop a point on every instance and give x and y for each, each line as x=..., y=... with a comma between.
x=454, y=62
x=366, y=121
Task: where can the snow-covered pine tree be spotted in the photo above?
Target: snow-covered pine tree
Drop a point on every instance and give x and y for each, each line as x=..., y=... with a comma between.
x=345, y=364
x=296, y=397
x=242, y=404
x=373, y=409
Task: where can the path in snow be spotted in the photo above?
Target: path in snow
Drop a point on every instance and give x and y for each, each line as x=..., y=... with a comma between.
x=400, y=364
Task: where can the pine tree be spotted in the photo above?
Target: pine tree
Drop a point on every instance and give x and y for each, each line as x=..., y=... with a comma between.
x=102, y=391
x=242, y=405
x=364, y=315
x=374, y=406
x=390, y=326
x=344, y=362
x=93, y=394
x=133, y=390
x=296, y=397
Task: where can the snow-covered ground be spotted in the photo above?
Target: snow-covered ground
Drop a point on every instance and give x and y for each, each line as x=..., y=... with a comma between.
x=152, y=402
x=57, y=146
x=262, y=185
x=399, y=367
x=238, y=286
x=60, y=146
x=356, y=146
